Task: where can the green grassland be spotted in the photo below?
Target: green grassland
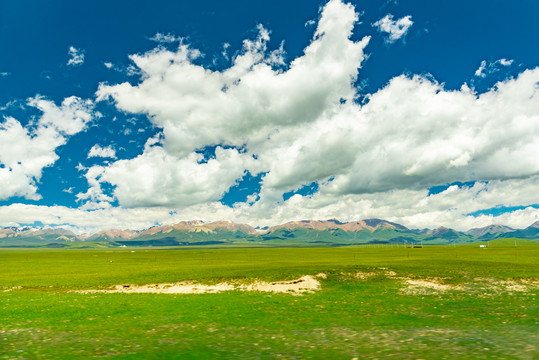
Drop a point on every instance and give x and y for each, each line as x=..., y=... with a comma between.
x=350, y=317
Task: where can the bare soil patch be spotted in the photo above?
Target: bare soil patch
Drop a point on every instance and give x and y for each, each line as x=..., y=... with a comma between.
x=479, y=286
x=305, y=284
x=422, y=287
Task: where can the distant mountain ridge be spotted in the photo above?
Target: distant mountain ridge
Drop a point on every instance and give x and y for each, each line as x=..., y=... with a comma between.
x=330, y=232
x=489, y=230
x=368, y=224
x=31, y=236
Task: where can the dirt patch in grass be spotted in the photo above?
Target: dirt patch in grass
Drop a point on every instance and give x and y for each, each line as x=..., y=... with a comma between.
x=364, y=275
x=10, y=289
x=437, y=285
x=479, y=286
x=409, y=285
x=426, y=285
x=305, y=284
x=491, y=287
x=430, y=285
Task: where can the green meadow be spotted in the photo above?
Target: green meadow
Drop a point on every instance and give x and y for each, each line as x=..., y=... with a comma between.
x=376, y=302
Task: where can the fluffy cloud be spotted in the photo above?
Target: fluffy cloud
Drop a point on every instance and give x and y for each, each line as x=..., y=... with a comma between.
x=505, y=62
x=246, y=105
x=395, y=29
x=251, y=100
x=415, y=134
x=157, y=178
x=25, y=151
x=104, y=152
x=300, y=125
x=412, y=208
x=87, y=221
x=69, y=118
x=76, y=57
x=165, y=38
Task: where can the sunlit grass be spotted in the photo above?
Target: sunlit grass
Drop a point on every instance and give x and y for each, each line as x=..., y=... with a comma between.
x=350, y=317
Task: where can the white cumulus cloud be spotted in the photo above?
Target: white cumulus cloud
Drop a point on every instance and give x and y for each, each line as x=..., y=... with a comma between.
x=481, y=69
x=412, y=208
x=505, y=62
x=157, y=178
x=297, y=124
x=250, y=100
x=25, y=151
x=76, y=56
x=395, y=29
x=166, y=38
x=104, y=152
x=301, y=125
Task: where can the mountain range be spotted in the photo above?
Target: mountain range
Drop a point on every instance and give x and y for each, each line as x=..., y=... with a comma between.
x=294, y=233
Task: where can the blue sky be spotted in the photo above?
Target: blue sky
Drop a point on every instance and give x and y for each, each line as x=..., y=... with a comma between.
x=130, y=114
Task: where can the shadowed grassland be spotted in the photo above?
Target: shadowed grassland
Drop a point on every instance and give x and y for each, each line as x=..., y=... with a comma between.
x=482, y=303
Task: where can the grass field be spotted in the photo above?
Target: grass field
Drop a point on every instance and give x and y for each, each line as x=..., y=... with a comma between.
x=437, y=302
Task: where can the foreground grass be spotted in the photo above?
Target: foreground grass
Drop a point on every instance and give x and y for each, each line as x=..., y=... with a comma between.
x=351, y=317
